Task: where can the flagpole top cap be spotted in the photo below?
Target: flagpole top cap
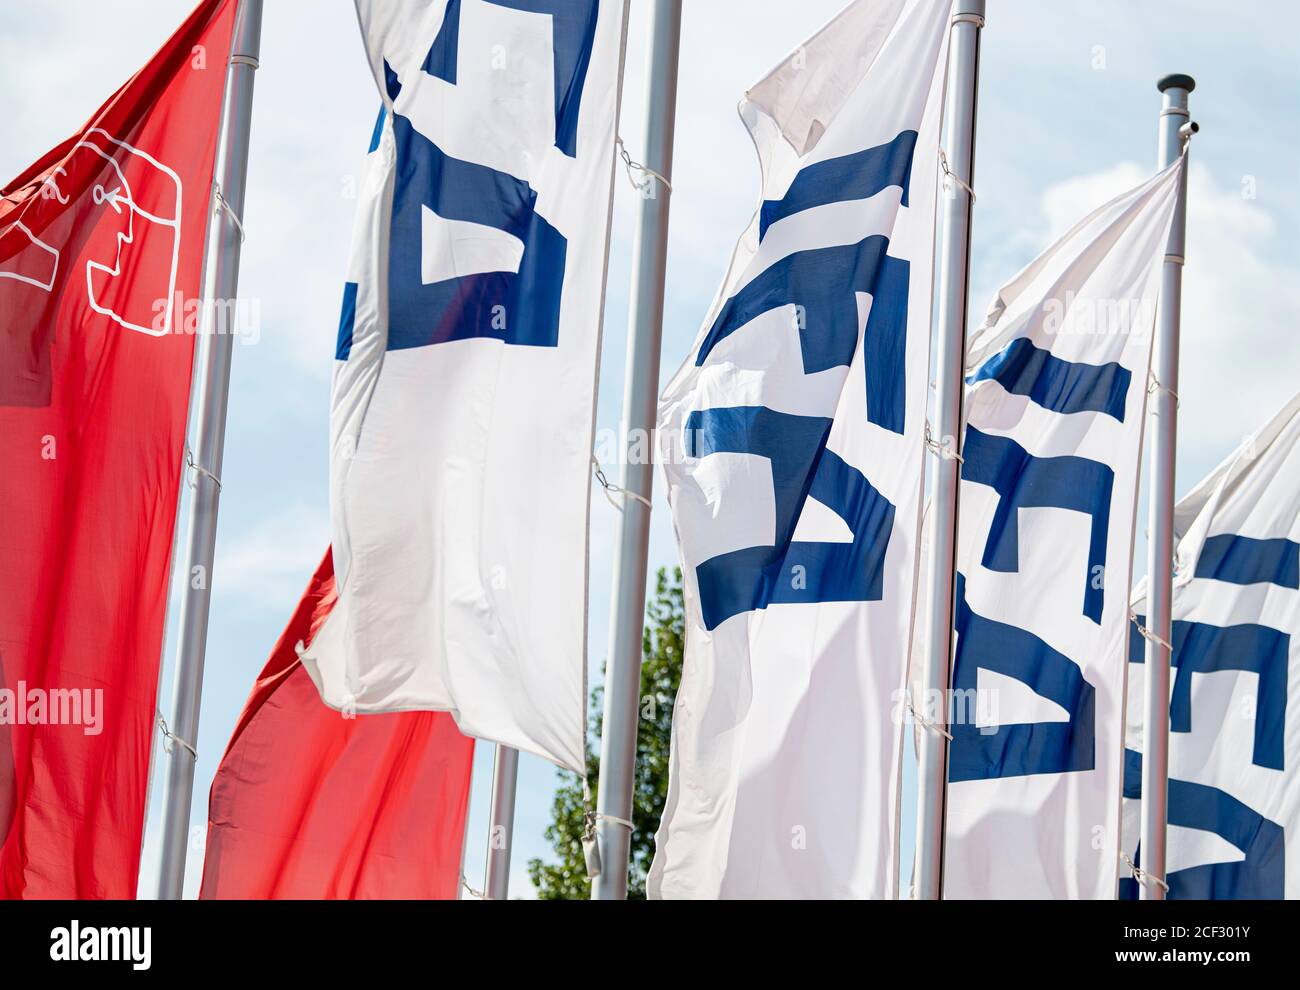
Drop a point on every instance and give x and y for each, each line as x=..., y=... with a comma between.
x=1176, y=81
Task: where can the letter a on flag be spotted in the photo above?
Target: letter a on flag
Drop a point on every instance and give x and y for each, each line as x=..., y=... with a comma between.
x=464, y=386
x=101, y=246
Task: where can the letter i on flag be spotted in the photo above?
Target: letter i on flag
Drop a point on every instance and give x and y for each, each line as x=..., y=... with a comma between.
x=1056, y=393
x=1234, y=728
x=464, y=388
x=101, y=246
x=794, y=442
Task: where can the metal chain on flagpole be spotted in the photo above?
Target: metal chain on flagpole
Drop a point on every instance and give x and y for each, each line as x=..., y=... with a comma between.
x=924, y=722
x=950, y=176
x=1142, y=876
x=590, y=842
x=1154, y=386
x=219, y=204
x=170, y=738
x=1147, y=634
x=198, y=469
x=610, y=489
x=943, y=450
x=634, y=166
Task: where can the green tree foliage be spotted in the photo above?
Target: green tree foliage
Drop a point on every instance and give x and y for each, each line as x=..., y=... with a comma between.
x=661, y=672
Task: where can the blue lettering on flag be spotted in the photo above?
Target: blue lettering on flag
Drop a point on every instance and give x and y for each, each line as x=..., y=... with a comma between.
x=573, y=34
x=822, y=281
x=347, y=321
x=348, y=312
x=1055, y=383
x=1260, y=876
x=857, y=176
x=515, y=307
x=1245, y=560
x=820, y=284
x=789, y=571
x=1200, y=648
x=1021, y=749
x=1024, y=481
x=392, y=86
x=378, y=132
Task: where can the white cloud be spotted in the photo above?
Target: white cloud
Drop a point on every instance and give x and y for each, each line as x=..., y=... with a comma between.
x=60, y=61
x=1240, y=349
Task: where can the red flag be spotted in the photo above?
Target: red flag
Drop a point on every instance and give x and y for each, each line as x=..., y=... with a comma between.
x=101, y=243
x=310, y=804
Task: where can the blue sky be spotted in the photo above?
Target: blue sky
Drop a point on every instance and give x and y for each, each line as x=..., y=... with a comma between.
x=1067, y=118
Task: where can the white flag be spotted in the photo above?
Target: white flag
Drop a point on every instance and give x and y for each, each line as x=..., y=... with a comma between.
x=463, y=397
x=1056, y=393
x=794, y=443
x=1234, y=743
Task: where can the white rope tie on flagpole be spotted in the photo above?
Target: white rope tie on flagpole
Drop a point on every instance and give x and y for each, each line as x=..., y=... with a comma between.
x=248, y=60
x=941, y=450
x=1154, y=386
x=969, y=18
x=590, y=843
x=925, y=722
x=1142, y=876
x=950, y=175
x=477, y=894
x=220, y=205
x=170, y=738
x=645, y=170
x=198, y=469
x=612, y=489
x=1147, y=634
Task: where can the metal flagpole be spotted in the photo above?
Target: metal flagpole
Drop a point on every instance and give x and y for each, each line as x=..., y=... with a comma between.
x=1175, y=127
x=640, y=398
x=505, y=773
x=221, y=278
x=951, y=292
